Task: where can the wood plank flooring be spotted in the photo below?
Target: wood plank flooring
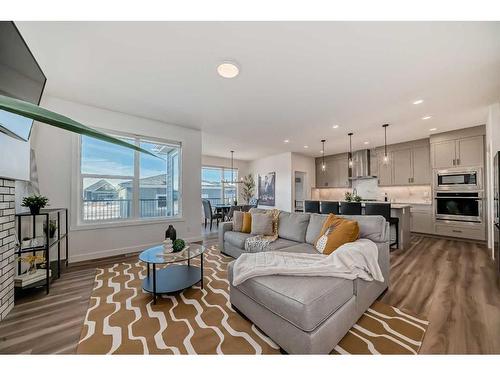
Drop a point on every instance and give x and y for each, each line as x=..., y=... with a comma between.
x=452, y=283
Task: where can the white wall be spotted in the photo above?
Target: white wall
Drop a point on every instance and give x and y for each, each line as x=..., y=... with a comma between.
x=492, y=147
x=282, y=165
x=55, y=153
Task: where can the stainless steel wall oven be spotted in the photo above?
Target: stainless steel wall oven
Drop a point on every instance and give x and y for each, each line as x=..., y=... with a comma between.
x=459, y=206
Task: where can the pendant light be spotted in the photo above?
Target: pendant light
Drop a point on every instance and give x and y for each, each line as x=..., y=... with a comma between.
x=350, y=149
x=323, y=165
x=386, y=158
x=224, y=181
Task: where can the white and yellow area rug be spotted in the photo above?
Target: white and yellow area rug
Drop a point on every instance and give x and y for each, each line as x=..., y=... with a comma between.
x=122, y=319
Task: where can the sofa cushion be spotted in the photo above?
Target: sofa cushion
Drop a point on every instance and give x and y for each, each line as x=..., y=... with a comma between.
x=293, y=226
x=303, y=248
x=236, y=238
x=371, y=227
x=281, y=243
x=305, y=307
x=237, y=221
x=255, y=210
x=262, y=224
x=314, y=228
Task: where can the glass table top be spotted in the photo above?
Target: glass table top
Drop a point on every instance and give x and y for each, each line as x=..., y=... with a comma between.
x=157, y=254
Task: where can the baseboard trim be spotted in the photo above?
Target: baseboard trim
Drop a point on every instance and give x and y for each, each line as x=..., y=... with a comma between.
x=74, y=258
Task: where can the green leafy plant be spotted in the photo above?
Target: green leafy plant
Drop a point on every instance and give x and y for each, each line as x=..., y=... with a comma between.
x=34, y=112
x=357, y=198
x=248, y=188
x=35, y=203
x=179, y=245
x=52, y=228
x=348, y=196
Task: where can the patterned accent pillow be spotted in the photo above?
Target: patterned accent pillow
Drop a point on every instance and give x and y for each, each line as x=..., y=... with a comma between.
x=336, y=231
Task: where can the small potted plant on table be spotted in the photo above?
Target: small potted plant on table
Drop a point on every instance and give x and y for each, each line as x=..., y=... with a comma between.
x=35, y=203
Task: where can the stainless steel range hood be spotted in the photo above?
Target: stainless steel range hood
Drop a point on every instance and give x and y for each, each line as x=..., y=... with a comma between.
x=361, y=167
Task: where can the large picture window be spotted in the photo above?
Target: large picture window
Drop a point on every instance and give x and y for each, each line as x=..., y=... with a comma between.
x=212, y=187
x=118, y=183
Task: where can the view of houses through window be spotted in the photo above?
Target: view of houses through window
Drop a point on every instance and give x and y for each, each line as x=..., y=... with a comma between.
x=212, y=187
x=120, y=183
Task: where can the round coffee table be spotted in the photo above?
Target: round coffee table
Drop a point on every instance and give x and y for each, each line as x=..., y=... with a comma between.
x=174, y=277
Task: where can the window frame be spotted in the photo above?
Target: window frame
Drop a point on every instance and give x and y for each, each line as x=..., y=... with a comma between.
x=222, y=169
x=135, y=218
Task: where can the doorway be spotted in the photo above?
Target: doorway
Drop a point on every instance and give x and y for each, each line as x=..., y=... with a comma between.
x=300, y=194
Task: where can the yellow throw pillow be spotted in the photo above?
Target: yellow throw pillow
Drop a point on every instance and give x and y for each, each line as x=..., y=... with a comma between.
x=336, y=231
x=247, y=222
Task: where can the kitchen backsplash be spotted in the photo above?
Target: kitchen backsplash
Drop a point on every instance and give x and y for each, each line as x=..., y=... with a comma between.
x=368, y=189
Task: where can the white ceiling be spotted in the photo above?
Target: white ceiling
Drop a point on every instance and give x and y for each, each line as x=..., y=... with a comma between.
x=297, y=78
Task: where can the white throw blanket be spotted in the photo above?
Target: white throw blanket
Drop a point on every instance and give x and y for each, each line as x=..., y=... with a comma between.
x=349, y=261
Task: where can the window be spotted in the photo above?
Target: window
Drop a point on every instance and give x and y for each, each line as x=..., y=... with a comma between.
x=212, y=187
x=122, y=184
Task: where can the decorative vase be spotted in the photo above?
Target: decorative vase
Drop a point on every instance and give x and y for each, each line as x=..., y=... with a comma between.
x=35, y=210
x=171, y=233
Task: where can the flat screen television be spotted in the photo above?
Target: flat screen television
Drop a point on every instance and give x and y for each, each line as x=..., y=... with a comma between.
x=20, y=77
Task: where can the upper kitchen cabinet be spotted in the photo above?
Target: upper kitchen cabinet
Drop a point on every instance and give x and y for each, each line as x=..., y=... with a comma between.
x=409, y=164
x=460, y=148
x=336, y=173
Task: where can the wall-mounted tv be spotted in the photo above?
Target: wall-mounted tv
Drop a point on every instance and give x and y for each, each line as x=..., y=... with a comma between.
x=20, y=77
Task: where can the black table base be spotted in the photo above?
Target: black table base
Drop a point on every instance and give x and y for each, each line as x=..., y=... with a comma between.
x=173, y=278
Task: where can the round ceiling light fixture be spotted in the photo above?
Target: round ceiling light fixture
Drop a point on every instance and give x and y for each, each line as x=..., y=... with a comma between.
x=228, y=69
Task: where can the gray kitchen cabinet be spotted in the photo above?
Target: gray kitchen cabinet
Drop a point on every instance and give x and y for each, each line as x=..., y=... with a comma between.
x=458, y=152
x=341, y=167
x=443, y=154
x=421, y=163
x=384, y=169
x=421, y=218
x=402, y=167
x=470, y=152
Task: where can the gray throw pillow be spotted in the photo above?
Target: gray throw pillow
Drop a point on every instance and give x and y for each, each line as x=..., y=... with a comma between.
x=262, y=224
x=237, y=221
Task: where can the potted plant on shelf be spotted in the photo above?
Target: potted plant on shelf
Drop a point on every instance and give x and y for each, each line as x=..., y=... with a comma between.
x=35, y=203
x=52, y=228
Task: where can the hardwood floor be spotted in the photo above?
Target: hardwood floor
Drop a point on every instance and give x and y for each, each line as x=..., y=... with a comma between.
x=451, y=283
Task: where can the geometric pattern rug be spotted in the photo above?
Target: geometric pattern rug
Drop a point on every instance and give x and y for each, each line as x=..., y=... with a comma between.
x=121, y=319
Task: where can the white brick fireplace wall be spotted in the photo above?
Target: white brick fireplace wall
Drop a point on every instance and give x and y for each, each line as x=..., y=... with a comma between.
x=7, y=225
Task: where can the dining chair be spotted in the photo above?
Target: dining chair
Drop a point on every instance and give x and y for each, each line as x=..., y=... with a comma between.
x=311, y=207
x=384, y=209
x=327, y=207
x=210, y=214
x=350, y=208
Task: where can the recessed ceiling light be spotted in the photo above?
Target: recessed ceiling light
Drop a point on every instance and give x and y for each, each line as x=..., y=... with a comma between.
x=432, y=129
x=320, y=151
x=286, y=141
x=335, y=126
x=426, y=117
x=228, y=70
x=306, y=146
x=366, y=142
x=419, y=101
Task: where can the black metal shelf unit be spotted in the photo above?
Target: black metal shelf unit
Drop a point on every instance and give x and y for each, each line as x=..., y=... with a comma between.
x=61, y=218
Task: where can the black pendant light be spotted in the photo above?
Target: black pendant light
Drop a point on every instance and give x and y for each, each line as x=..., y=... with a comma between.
x=386, y=158
x=323, y=165
x=350, y=149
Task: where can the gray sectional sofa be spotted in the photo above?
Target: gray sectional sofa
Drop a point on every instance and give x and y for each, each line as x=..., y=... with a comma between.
x=305, y=315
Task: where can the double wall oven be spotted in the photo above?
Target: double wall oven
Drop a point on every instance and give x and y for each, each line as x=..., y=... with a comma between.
x=458, y=195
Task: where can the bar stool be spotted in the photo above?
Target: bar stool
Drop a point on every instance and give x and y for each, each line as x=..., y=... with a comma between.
x=384, y=209
x=350, y=208
x=329, y=207
x=311, y=206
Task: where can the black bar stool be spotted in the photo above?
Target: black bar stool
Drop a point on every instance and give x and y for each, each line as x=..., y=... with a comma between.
x=311, y=206
x=384, y=209
x=350, y=208
x=329, y=207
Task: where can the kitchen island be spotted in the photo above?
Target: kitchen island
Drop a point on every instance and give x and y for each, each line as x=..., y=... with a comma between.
x=402, y=212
